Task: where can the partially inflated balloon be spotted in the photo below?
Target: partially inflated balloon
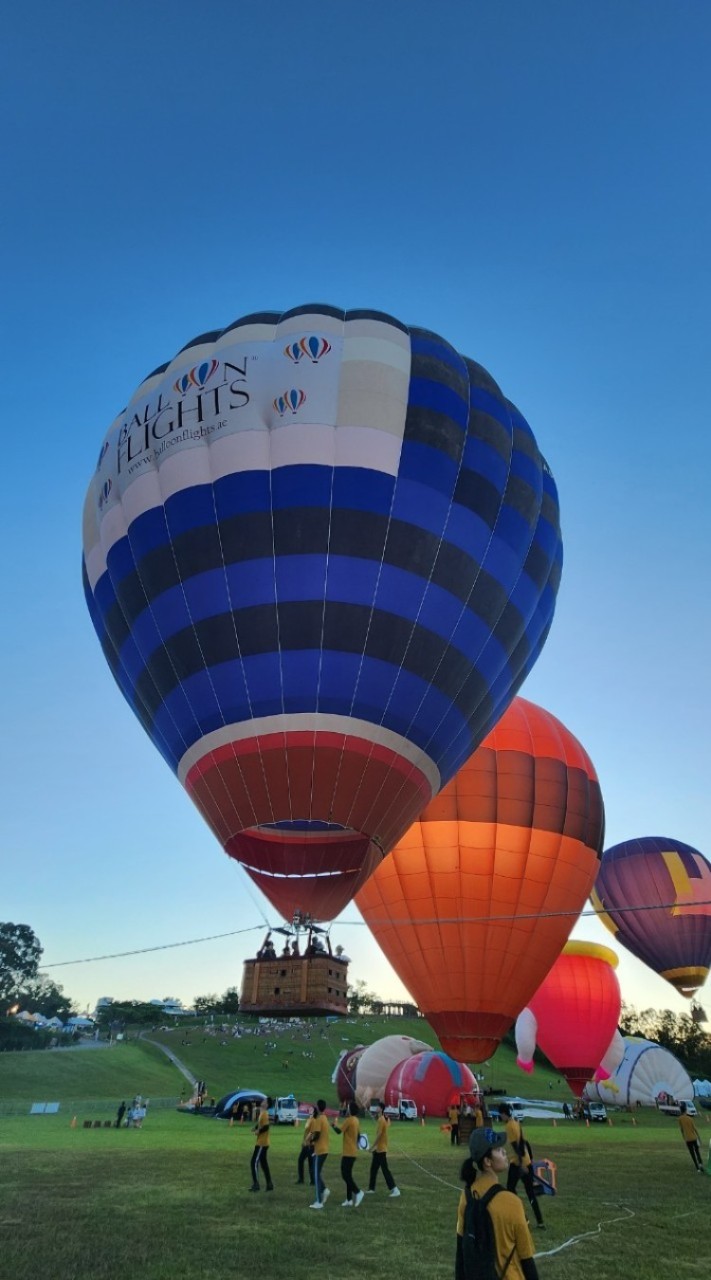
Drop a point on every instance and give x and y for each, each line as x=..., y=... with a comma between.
x=573, y=1014
x=321, y=552
x=654, y=894
x=475, y=902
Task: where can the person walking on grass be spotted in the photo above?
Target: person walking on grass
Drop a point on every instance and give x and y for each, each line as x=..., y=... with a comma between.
x=691, y=1137
x=350, y=1129
x=260, y=1155
x=379, y=1158
x=520, y=1162
x=453, y=1116
x=513, y=1247
x=305, y=1152
x=319, y=1147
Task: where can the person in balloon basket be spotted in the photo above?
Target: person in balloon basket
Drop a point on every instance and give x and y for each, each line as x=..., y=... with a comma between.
x=349, y=1128
x=306, y=1151
x=260, y=1155
x=691, y=1137
x=513, y=1247
x=379, y=1157
x=319, y=1147
x=520, y=1165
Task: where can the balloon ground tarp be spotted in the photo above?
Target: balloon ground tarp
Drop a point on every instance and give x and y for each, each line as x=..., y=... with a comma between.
x=321, y=554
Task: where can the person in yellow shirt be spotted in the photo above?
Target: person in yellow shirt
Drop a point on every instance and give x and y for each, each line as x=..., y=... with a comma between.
x=513, y=1247
x=453, y=1115
x=350, y=1129
x=690, y=1136
x=478, y=1117
x=379, y=1158
x=260, y=1155
x=319, y=1146
x=305, y=1152
x=520, y=1162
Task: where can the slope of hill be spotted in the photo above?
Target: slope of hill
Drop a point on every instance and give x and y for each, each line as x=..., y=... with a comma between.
x=298, y=1059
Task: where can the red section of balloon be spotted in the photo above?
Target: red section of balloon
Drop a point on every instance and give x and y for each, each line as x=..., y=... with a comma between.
x=432, y=1080
x=577, y=1009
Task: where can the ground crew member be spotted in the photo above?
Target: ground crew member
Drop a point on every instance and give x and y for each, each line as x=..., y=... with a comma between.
x=691, y=1137
x=512, y=1239
x=379, y=1158
x=260, y=1155
x=520, y=1162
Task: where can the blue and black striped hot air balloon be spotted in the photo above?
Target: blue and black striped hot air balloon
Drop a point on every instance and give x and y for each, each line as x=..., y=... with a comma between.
x=319, y=582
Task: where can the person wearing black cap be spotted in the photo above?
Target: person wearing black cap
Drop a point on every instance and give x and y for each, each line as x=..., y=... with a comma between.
x=513, y=1245
x=520, y=1162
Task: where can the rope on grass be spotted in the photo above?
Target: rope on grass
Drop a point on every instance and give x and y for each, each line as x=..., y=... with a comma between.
x=584, y=1235
x=428, y=1172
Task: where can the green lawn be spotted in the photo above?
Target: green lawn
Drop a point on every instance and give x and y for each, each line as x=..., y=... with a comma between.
x=171, y=1201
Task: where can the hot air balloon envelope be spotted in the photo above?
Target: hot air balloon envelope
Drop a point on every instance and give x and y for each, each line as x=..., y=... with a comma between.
x=431, y=1079
x=476, y=901
x=654, y=894
x=321, y=552
x=577, y=1008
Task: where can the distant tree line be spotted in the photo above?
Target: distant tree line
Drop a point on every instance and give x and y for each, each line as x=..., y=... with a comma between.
x=686, y=1038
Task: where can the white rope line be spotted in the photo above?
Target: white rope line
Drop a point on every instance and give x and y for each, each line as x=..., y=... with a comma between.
x=584, y=1235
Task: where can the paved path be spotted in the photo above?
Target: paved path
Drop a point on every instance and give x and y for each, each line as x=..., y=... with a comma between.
x=192, y=1080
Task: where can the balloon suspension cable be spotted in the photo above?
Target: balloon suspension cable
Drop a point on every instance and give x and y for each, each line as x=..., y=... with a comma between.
x=524, y=915
x=360, y=924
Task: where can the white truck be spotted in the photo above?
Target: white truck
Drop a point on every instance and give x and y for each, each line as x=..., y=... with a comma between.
x=284, y=1111
x=405, y=1110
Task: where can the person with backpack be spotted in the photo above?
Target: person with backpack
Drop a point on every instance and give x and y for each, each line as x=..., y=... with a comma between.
x=493, y=1239
x=520, y=1163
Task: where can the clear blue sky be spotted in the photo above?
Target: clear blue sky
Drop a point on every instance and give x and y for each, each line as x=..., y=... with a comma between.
x=531, y=181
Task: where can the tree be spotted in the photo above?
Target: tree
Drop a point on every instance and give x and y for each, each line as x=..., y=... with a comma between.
x=204, y=1005
x=360, y=1000
x=20, y=952
x=42, y=995
x=230, y=1001
x=676, y=1032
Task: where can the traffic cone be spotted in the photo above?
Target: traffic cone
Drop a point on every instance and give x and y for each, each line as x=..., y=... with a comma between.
x=73, y=1124
x=587, y=1124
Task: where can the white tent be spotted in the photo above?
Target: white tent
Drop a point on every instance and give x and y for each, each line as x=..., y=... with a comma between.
x=646, y=1071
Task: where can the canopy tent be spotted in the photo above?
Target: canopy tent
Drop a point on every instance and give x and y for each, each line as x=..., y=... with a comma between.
x=239, y=1098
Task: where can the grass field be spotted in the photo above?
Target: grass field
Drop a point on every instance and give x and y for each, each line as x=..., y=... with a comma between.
x=171, y=1201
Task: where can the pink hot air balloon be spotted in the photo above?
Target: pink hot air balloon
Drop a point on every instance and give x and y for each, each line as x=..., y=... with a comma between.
x=573, y=1014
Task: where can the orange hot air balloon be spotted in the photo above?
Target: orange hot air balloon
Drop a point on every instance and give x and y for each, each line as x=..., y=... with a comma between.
x=575, y=1012
x=476, y=901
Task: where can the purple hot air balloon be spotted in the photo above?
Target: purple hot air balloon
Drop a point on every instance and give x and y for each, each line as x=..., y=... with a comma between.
x=654, y=894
